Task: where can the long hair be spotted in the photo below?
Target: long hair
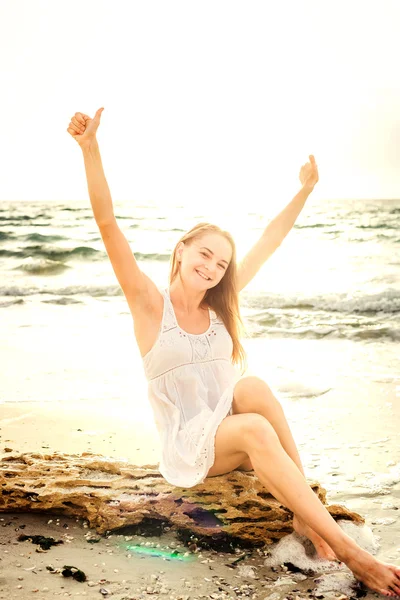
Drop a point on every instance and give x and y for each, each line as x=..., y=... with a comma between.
x=224, y=297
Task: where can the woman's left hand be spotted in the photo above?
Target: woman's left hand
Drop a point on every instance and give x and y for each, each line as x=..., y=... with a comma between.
x=309, y=174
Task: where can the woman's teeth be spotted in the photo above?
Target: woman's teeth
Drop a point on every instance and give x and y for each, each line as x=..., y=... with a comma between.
x=206, y=278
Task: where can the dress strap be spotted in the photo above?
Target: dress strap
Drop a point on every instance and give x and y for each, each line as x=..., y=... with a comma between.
x=169, y=319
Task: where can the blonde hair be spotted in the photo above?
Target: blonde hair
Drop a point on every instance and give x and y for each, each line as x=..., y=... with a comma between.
x=224, y=297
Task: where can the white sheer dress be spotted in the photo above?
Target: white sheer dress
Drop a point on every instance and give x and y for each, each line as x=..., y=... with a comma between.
x=190, y=386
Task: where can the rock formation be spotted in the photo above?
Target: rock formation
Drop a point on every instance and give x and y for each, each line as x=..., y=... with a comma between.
x=225, y=511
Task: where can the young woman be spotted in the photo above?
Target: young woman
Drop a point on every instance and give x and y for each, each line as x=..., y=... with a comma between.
x=211, y=420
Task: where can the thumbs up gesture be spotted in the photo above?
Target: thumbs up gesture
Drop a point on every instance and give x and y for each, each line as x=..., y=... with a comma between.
x=309, y=173
x=83, y=128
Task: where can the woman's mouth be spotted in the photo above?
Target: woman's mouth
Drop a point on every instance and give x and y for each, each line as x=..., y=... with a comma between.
x=202, y=276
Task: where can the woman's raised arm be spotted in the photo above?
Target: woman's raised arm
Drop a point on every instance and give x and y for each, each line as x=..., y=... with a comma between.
x=137, y=287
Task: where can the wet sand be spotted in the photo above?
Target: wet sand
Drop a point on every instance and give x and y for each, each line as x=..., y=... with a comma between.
x=128, y=567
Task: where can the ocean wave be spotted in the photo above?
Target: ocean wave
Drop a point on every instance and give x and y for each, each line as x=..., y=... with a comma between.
x=39, y=237
x=313, y=226
x=54, y=253
x=81, y=252
x=69, y=209
x=317, y=333
x=32, y=237
x=387, y=301
x=63, y=301
x=384, y=236
x=44, y=267
x=25, y=217
x=73, y=290
x=378, y=226
x=377, y=333
x=11, y=302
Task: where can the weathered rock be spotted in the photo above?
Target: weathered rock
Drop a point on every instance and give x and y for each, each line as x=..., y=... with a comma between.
x=234, y=508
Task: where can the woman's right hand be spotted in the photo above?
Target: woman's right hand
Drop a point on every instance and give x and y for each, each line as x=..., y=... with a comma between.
x=83, y=129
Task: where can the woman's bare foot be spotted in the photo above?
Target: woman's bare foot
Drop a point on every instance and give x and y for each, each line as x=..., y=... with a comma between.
x=323, y=549
x=378, y=576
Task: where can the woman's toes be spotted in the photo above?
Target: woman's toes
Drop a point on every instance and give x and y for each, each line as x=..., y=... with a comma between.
x=395, y=588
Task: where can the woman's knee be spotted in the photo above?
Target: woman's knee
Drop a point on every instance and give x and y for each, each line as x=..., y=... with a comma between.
x=257, y=431
x=252, y=391
x=250, y=384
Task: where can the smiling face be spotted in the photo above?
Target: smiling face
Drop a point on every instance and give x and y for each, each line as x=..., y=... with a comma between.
x=207, y=255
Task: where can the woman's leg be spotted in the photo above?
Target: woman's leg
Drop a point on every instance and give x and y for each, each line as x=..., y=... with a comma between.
x=277, y=471
x=253, y=395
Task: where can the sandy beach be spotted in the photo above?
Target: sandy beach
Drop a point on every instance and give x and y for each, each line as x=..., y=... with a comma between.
x=353, y=452
x=129, y=567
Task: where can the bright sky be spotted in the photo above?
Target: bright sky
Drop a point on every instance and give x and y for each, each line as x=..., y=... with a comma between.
x=215, y=102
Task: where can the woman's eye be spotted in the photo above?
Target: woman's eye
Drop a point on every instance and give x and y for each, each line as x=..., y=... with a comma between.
x=206, y=255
